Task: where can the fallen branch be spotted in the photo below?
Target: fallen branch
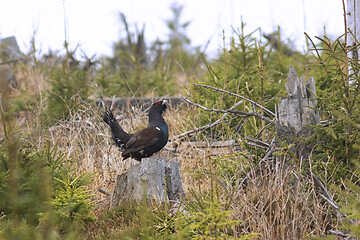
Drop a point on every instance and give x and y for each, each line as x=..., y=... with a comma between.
x=259, y=143
x=103, y=191
x=255, y=145
x=337, y=233
x=326, y=196
x=267, y=157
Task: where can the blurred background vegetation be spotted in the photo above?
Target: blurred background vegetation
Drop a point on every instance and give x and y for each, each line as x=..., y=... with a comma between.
x=158, y=70
x=46, y=194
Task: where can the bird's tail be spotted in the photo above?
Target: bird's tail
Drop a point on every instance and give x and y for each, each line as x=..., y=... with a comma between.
x=118, y=134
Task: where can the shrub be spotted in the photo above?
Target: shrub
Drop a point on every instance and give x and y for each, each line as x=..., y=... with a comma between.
x=39, y=194
x=161, y=69
x=68, y=88
x=245, y=67
x=337, y=139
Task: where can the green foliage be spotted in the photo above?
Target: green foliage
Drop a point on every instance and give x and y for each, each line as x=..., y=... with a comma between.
x=69, y=86
x=22, y=231
x=138, y=70
x=31, y=190
x=165, y=222
x=67, y=89
x=352, y=208
x=25, y=103
x=338, y=101
x=178, y=51
x=126, y=71
x=71, y=200
x=35, y=202
x=207, y=220
x=249, y=68
x=337, y=140
x=30, y=174
x=207, y=216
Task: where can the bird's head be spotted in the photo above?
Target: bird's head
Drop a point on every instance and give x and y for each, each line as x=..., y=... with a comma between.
x=159, y=106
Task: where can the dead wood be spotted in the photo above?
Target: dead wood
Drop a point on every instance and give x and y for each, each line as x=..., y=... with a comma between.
x=158, y=178
x=294, y=113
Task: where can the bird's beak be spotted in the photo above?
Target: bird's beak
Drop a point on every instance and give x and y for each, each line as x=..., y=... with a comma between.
x=163, y=99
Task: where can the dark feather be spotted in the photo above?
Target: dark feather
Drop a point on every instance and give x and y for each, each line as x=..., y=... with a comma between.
x=118, y=134
x=145, y=142
x=142, y=139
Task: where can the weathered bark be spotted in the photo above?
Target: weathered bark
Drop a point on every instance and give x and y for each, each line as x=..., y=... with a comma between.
x=296, y=111
x=160, y=177
x=298, y=108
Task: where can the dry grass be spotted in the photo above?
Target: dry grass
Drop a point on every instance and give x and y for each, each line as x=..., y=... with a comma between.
x=276, y=207
x=281, y=208
x=86, y=139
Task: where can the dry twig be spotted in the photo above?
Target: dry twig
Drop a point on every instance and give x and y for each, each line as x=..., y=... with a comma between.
x=326, y=196
x=337, y=233
x=230, y=110
x=198, y=130
x=239, y=96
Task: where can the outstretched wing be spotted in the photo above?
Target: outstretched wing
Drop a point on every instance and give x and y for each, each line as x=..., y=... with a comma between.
x=142, y=139
x=119, y=136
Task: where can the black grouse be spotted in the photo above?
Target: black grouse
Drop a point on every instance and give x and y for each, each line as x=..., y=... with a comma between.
x=147, y=141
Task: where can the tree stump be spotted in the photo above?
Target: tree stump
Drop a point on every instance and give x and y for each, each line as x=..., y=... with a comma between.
x=298, y=108
x=160, y=177
x=296, y=111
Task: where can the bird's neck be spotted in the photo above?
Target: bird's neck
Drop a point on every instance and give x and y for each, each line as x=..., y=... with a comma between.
x=156, y=120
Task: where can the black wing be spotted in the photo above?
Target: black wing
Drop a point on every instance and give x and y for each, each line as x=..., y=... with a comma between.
x=119, y=136
x=142, y=139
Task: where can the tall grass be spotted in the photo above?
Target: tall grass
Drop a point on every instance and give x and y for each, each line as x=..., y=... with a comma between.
x=55, y=169
x=271, y=207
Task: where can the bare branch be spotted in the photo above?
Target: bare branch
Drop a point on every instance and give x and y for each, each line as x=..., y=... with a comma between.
x=337, y=233
x=326, y=196
x=255, y=145
x=239, y=96
x=259, y=143
x=100, y=189
x=230, y=110
x=205, y=127
x=267, y=157
x=202, y=128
